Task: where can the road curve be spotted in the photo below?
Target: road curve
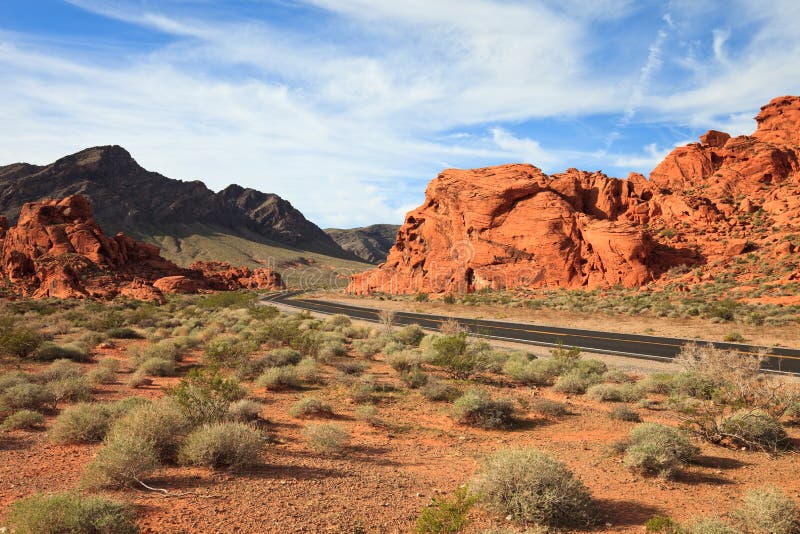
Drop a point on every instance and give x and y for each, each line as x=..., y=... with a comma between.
x=781, y=360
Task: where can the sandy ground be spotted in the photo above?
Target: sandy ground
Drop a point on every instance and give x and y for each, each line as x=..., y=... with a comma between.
x=695, y=328
x=389, y=473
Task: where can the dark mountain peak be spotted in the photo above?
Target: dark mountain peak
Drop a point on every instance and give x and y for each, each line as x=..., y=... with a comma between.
x=112, y=159
x=370, y=243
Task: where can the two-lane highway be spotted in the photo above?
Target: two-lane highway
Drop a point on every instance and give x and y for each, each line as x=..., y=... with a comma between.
x=779, y=359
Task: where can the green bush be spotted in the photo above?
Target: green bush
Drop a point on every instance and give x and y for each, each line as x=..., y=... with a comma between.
x=658, y=449
x=575, y=382
x=756, y=429
x=404, y=361
x=415, y=378
x=121, y=462
x=327, y=437
x=227, y=349
x=662, y=525
x=26, y=396
x=550, y=407
x=658, y=383
x=276, y=378
x=70, y=513
x=71, y=389
x=367, y=348
x=446, y=516
x=453, y=353
x=162, y=424
x=695, y=385
x=158, y=367
x=531, y=487
x=19, y=342
x=245, y=410
x=49, y=352
x=23, y=420
x=708, y=525
x=410, y=335
x=311, y=407
x=437, y=391
x=205, y=395
x=122, y=332
x=768, y=511
x=308, y=370
x=337, y=322
x=476, y=408
x=60, y=370
x=101, y=375
x=532, y=372
x=82, y=423
x=615, y=393
x=624, y=413
x=231, y=445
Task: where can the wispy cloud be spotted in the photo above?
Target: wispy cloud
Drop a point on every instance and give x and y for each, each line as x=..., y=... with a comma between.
x=350, y=116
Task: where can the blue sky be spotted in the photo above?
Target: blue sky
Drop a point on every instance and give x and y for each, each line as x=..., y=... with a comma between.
x=348, y=108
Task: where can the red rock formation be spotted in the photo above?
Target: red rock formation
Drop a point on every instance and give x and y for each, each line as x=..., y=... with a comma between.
x=58, y=250
x=222, y=276
x=512, y=226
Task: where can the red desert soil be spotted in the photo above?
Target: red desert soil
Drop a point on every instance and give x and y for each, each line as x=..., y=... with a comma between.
x=383, y=481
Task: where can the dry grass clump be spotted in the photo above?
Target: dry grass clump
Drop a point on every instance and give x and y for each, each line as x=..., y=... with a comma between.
x=70, y=512
x=277, y=378
x=531, y=487
x=311, y=407
x=438, y=391
x=550, y=407
x=50, y=351
x=327, y=438
x=755, y=429
x=123, y=461
x=625, y=413
x=163, y=424
x=222, y=445
x=615, y=393
x=476, y=408
x=769, y=511
x=245, y=410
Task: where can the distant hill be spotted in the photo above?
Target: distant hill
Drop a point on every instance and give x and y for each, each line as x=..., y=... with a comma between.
x=370, y=243
x=187, y=220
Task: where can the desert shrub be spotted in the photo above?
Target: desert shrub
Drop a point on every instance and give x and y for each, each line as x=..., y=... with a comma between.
x=708, y=525
x=109, y=363
x=331, y=348
x=658, y=383
x=14, y=378
x=531, y=487
x=50, y=351
x=101, y=375
x=356, y=332
x=369, y=414
x=446, y=516
x=550, y=407
x=123, y=332
x=121, y=462
x=276, y=378
x=59, y=370
x=26, y=396
x=576, y=381
x=587, y=367
x=614, y=393
x=327, y=437
x=23, y=420
x=205, y=395
x=311, y=407
x=308, y=370
x=438, y=391
x=756, y=429
x=662, y=525
x=362, y=391
x=162, y=424
x=158, y=367
x=367, y=348
x=455, y=355
x=336, y=322
x=245, y=410
x=70, y=389
x=539, y=372
x=231, y=445
x=414, y=378
x=658, y=449
x=410, y=335
x=792, y=413
x=404, y=361
x=566, y=357
x=19, y=342
x=350, y=367
x=733, y=337
x=227, y=349
x=139, y=379
x=616, y=376
x=768, y=511
x=70, y=513
x=476, y=408
x=82, y=423
x=624, y=413
x=165, y=349
x=695, y=385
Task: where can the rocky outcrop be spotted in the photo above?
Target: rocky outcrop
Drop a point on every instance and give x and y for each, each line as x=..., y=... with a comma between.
x=222, y=276
x=58, y=250
x=513, y=226
x=370, y=243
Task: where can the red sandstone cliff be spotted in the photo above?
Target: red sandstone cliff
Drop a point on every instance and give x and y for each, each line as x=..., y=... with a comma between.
x=58, y=250
x=513, y=226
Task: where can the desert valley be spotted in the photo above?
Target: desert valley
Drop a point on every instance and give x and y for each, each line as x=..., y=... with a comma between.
x=533, y=348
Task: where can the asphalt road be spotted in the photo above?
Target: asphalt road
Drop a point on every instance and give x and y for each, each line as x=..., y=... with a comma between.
x=779, y=359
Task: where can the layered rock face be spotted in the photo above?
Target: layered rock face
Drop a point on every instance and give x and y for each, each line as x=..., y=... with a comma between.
x=370, y=243
x=58, y=250
x=513, y=226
